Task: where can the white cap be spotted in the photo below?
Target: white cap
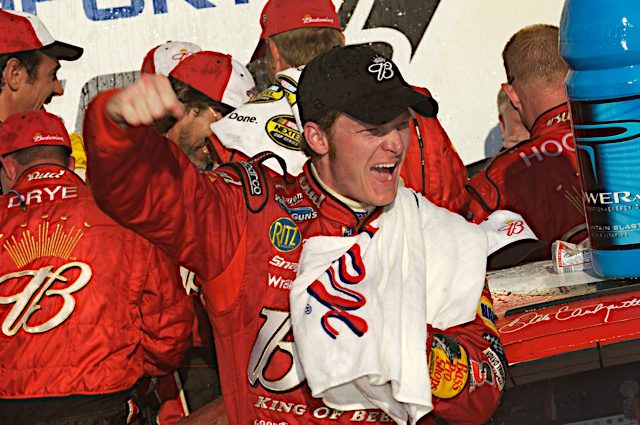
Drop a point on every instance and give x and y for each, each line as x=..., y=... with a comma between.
x=505, y=227
x=163, y=58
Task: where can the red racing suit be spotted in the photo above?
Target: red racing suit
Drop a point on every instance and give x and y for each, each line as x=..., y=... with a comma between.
x=538, y=179
x=86, y=306
x=241, y=230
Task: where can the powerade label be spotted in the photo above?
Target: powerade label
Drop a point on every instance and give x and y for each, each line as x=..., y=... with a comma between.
x=607, y=136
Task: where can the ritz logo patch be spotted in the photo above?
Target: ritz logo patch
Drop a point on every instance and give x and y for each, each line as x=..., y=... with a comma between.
x=284, y=235
x=283, y=130
x=381, y=68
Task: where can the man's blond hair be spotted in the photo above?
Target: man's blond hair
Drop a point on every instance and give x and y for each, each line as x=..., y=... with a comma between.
x=300, y=45
x=532, y=54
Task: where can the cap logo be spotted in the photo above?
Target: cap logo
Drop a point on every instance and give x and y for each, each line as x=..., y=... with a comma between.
x=38, y=137
x=308, y=19
x=382, y=68
x=181, y=55
x=511, y=227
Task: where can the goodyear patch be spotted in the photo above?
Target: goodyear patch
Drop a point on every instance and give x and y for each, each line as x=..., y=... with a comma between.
x=486, y=312
x=499, y=368
x=284, y=234
x=496, y=350
x=290, y=87
x=448, y=367
x=283, y=130
x=272, y=94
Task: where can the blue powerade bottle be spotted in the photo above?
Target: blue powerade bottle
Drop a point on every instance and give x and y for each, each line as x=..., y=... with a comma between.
x=600, y=40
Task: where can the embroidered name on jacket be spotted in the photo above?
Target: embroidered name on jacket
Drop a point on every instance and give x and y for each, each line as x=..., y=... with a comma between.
x=46, y=194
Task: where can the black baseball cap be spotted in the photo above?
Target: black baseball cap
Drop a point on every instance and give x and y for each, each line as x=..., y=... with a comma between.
x=360, y=82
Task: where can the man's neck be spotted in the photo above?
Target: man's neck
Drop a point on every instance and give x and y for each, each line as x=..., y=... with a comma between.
x=542, y=98
x=353, y=205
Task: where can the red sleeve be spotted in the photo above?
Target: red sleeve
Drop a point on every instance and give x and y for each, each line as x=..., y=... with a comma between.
x=433, y=166
x=146, y=183
x=167, y=316
x=484, y=197
x=467, y=368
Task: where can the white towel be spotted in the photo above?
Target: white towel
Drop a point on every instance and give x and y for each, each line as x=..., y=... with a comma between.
x=270, y=122
x=362, y=340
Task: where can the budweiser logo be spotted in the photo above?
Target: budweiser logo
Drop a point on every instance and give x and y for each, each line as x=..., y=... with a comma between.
x=40, y=138
x=307, y=19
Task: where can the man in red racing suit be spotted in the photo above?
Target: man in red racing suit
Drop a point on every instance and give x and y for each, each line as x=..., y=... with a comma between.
x=538, y=179
x=241, y=229
x=86, y=306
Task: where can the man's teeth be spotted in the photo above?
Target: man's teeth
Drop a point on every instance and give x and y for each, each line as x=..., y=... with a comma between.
x=385, y=168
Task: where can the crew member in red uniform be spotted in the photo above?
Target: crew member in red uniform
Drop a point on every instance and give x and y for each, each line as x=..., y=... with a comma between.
x=241, y=230
x=537, y=178
x=86, y=306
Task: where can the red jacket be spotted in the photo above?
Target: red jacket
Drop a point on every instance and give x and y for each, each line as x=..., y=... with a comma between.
x=86, y=306
x=244, y=244
x=538, y=179
x=433, y=167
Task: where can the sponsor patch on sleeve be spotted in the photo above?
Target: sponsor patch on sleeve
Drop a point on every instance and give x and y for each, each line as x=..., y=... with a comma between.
x=486, y=312
x=448, y=367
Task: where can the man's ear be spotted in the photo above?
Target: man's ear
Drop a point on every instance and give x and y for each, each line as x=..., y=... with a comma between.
x=10, y=171
x=512, y=94
x=13, y=74
x=501, y=123
x=317, y=139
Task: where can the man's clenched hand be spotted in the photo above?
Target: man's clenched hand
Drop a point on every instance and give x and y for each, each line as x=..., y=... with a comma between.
x=148, y=99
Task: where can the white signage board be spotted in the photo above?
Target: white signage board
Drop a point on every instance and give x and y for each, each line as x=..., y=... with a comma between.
x=457, y=57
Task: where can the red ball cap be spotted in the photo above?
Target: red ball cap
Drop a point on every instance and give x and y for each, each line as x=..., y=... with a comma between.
x=32, y=128
x=21, y=31
x=285, y=15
